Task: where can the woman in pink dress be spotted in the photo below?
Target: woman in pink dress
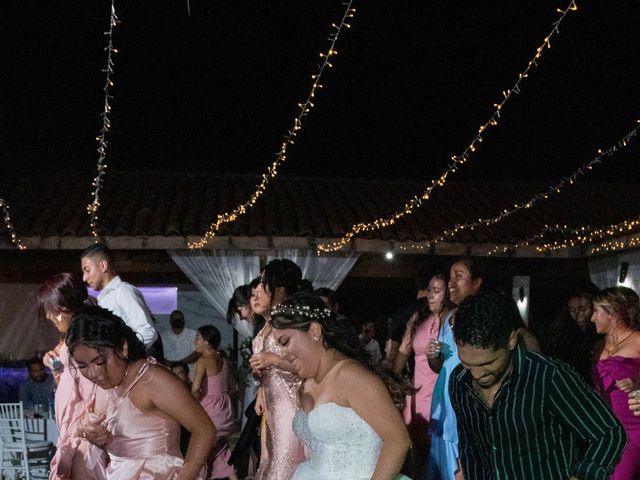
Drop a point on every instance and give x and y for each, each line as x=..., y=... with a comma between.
x=616, y=372
x=59, y=297
x=423, y=328
x=145, y=402
x=211, y=385
x=277, y=398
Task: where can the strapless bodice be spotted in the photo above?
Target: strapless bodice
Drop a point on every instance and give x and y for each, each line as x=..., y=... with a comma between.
x=340, y=443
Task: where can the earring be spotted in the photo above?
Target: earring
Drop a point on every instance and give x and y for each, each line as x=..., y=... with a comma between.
x=315, y=339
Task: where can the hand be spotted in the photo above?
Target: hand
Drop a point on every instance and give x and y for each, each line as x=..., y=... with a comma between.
x=407, y=337
x=634, y=402
x=260, y=406
x=628, y=385
x=95, y=432
x=261, y=360
x=434, y=348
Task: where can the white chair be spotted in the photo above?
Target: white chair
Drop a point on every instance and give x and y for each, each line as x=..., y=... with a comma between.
x=17, y=454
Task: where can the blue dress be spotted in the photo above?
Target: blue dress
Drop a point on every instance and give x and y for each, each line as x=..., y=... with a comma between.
x=443, y=427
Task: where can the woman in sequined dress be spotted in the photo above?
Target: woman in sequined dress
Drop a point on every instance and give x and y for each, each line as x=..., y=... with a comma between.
x=277, y=397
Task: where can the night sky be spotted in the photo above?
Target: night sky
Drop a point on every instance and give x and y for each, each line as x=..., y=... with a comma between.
x=413, y=81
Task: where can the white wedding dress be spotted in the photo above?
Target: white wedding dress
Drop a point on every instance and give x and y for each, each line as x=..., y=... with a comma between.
x=341, y=445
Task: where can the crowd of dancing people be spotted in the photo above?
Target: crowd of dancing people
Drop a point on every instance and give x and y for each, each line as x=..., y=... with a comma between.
x=461, y=390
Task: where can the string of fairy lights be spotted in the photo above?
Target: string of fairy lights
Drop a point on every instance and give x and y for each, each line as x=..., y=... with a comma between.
x=538, y=197
x=578, y=236
x=289, y=139
x=457, y=160
x=97, y=183
x=9, y=226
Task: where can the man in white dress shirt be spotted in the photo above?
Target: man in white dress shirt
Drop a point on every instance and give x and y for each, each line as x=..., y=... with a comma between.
x=179, y=342
x=121, y=298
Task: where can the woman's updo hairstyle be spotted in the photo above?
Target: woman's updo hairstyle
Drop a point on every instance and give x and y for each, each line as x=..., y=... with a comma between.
x=96, y=327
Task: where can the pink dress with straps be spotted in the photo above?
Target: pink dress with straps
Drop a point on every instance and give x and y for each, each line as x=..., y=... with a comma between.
x=217, y=403
x=75, y=395
x=285, y=450
x=144, y=446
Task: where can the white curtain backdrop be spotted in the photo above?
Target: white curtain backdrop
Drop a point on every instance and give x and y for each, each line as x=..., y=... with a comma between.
x=322, y=271
x=605, y=271
x=217, y=273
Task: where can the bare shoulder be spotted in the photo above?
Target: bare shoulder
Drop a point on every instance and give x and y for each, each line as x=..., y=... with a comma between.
x=353, y=375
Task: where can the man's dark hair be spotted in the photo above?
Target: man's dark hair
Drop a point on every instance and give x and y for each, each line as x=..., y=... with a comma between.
x=34, y=361
x=484, y=321
x=327, y=293
x=99, y=250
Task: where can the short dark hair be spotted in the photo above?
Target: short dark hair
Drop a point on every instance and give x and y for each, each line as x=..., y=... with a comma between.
x=34, y=361
x=211, y=335
x=99, y=250
x=484, y=321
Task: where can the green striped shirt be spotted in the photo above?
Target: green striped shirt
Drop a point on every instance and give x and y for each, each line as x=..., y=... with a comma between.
x=530, y=432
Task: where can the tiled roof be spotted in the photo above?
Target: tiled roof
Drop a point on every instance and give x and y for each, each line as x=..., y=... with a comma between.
x=156, y=205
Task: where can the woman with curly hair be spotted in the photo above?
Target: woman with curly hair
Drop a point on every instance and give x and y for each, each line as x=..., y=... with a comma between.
x=145, y=403
x=348, y=417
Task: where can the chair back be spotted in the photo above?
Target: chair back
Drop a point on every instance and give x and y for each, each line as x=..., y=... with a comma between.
x=11, y=424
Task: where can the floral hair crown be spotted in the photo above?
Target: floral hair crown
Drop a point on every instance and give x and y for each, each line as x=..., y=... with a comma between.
x=302, y=310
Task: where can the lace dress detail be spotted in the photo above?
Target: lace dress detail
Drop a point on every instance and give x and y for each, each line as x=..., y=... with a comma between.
x=340, y=443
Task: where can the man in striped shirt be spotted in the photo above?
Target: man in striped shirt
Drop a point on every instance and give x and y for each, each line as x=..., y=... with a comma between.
x=520, y=414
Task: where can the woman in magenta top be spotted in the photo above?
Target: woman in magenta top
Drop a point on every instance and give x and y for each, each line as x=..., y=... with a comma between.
x=616, y=371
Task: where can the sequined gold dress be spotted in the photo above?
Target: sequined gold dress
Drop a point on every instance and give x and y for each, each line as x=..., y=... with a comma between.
x=285, y=452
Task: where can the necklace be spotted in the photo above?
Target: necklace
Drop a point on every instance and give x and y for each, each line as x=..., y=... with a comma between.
x=616, y=345
x=123, y=377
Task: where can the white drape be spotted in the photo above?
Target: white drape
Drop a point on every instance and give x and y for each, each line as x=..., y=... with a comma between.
x=605, y=271
x=322, y=271
x=216, y=274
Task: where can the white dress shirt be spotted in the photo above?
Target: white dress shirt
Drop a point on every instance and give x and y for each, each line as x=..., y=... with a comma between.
x=177, y=347
x=126, y=301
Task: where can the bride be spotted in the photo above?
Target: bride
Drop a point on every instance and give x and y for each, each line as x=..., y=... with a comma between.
x=347, y=417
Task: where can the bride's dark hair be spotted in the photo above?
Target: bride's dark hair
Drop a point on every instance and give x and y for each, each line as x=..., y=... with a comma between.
x=301, y=309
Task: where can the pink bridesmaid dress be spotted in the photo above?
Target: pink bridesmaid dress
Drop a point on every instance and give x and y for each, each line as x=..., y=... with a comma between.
x=74, y=396
x=417, y=410
x=144, y=446
x=217, y=403
x=285, y=450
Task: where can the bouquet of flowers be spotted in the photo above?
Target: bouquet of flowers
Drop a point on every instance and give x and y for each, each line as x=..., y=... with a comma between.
x=246, y=350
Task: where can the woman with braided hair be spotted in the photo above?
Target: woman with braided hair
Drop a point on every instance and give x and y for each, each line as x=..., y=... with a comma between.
x=348, y=416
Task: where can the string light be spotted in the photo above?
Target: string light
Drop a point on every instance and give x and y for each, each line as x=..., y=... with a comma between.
x=289, y=138
x=9, y=226
x=551, y=191
x=578, y=236
x=94, y=206
x=457, y=160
